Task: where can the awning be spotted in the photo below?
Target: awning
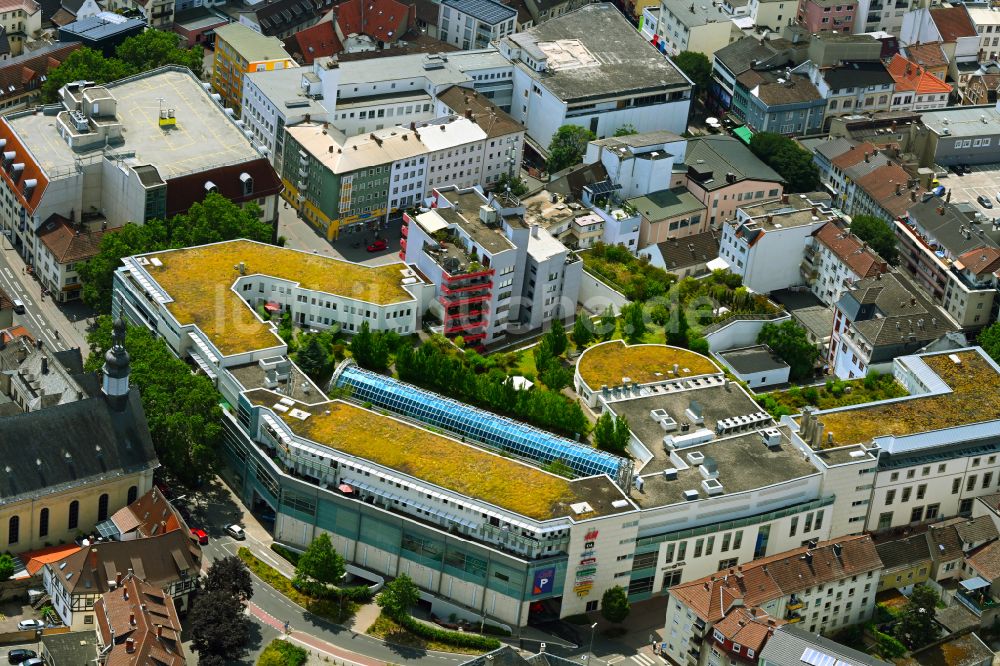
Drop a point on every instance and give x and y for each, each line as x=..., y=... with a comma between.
x=744, y=133
x=271, y=306
x=976, y=583
x=346, y=489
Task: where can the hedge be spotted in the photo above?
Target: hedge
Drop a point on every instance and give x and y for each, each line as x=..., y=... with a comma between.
x=290, y=555
x=457, y=638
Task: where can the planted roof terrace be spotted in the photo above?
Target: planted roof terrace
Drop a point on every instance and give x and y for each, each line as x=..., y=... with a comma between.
x=200, y=280
x=445, y=462
x=974, y=398
x=610, y=362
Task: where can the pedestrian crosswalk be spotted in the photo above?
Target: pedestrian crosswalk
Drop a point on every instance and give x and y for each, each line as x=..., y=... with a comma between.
x=639, y=659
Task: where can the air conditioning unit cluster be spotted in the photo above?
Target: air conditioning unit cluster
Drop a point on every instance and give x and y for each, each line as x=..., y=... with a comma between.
x=739, y=423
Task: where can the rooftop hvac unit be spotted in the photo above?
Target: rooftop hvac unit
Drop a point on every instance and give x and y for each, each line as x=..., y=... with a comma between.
x=664, y=419
x=487, y=214
x=712, y=486
x=690, y=495
x=684, y=440
x=772, y=438
x=709, y=469
x=696, y=457
x=639, y=483
x=739, y=423
x=693, y=413
x=670, y=474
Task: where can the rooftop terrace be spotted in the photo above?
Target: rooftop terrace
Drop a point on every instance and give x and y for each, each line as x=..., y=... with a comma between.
x=974, y=398
x=609, y=362
x=200, y=281
x=446, y=462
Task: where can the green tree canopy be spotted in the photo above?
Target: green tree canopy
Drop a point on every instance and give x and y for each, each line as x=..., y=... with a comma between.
x=556, y=336
x=182, y=409
x=282, y=653
x=583, y=333
x=788, y=158
x=230, y=575
x=611, y=433
x=314, y=357
x=319, y=567
x=634, y=322
x=370, y=349
x=568, y=146
x=916, y=626
x=614, y=604
x=697, y=68
x=989, y=340
x=220, y=630
x=139, y=53
x=398, y=596
x=6, y=566
x=211, y=220
x=517, y=185
x=791, y=342
x=608, y=322
x=626, y=129
x=877, y=233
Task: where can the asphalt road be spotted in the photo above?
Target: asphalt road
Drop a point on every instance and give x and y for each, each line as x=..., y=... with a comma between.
x=270, y=609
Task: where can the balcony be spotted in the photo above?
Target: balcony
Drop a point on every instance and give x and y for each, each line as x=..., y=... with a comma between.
x=975, y=595
x=469, y=300
x=458, y=287
x=404, y=231
x=402, y=243
x=469, y=326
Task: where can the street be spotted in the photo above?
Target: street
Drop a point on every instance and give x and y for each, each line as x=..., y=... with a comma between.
x=47, y=321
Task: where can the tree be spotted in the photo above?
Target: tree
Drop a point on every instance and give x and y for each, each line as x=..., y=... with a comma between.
x=697, y=68
x=608, y=322
x=556, y=335
x=313, y=358
x=790, y=342
x=989, y=340
x=6, y=566
x=791, y=161
x=319, y=567
x=634, y=322
x=517, y=185
x=677, y=329
x=916, y=626
x=219, y=628
x=282, y=653
x=84, y=64
x=230, y=576
x=614, y=604
x=370, y=350
x=568, y=145
x=556, y=377
x=211, y=220
x=626, y=129
x=398, y=596
x=583, y=333
x=877, y=233
x=182, y=409
x=698, y=344
x=611, y=433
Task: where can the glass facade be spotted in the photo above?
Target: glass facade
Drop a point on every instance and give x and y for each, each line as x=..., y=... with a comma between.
x=479, y=425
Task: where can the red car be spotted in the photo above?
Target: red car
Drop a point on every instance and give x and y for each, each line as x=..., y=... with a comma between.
x=200, y=535
x=378, y=245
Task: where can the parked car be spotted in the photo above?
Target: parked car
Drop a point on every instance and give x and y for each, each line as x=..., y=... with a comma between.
x=984, y=201
x=236, y=532
x=35, y=661
x=378, y=245
x=199, y=535
x=18, y=306
x=28, y=625
x=19, y=655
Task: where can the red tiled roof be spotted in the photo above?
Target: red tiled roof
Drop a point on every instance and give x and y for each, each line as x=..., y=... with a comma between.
x=68, y=245
x=316, y=42
x=953, y=22
x=750, y=627
x=928, y=55
x=854, y=155
x=763, y=580
x=36, y=559
x=881, y=183
x=32, y=170
x=985, y=560
x=140, y=622
x=384, y=20
x=980, y=260
x=911, y=76
x=149, y=515
x=14, y=332
x=21, y=71
x=851, y=250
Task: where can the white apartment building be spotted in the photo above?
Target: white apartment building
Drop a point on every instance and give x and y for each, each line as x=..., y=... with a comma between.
x=591, y=68
x=766, y=242
x=454, y=157
x=639, y=163
x=690, y=26
x=474, y=24
x=493, y=271
x=836, y=259
x=789, y=586
x=63, y=245
x=987, y=22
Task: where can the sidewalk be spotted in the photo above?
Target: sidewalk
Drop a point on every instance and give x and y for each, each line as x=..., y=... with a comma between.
x=340, y=655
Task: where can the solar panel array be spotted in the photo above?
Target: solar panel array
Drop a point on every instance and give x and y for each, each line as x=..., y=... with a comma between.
x=482, y=426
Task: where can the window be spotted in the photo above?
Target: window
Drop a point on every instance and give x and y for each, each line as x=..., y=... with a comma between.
x=728, y=564
x=932, y=511
x=917, y=514
x=890, y=497
x=955, y=486
x=133, y=493
x=794, y=527
x=13, y=529
x=987, y=479
x=43, y=523
x=970, y=483
x=74, y=515
x=921, y=491
x=102, y=507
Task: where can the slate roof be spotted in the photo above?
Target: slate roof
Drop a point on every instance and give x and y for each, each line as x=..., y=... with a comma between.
x=953, y=22
x=28, y=68
x=904, y=552
x=65, y=244
x=851, y=250
x=945, y=228
x=74, y=429
x=76, y=647
x=789, y=643
x=678, y=253
x=185, y=191
x=749, y=360
x=665, y=204
x=738, y=55
x=882, y=308
x=855, y=74
x=723, y=154
x=142, y=612
x=276, y=17
x=929, y=55
x=949, y=539
x=985, y=560
x=763, y=580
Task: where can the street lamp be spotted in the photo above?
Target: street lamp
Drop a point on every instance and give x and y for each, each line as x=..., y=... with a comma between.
x=590, y=650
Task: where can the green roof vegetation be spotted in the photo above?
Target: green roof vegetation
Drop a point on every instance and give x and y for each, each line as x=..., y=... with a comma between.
x=835, y=393
x=975, y=398
x=607, y=363
x=200, y=279
x=434, y=458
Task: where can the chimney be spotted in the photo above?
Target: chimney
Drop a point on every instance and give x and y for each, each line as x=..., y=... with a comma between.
x=159, y=631
x=118, y=579
x=784, y=198
x=867, y=157
x=125, y=593
x=130, y=645
x=131, y=619
x=899, y=189
x=45, y=365
x=913, y=195
x=947, y=196
x=807, y=556
x=837, y=550
x=468, y=113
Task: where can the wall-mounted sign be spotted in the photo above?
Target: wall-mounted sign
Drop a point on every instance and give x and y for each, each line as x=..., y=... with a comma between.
x=543, y=581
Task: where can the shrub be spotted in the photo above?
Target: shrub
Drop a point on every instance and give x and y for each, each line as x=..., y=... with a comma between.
x=282, y=653
x=456, y=638
x=287, y=554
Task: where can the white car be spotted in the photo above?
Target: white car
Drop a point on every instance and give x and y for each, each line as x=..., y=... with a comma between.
x=30, y=625
x=236, y=532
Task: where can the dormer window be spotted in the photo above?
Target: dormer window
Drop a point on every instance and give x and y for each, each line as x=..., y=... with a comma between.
x=211, y=187
x=247, y=181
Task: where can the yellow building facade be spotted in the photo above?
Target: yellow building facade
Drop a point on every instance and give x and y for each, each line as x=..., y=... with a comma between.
x=240, y=50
